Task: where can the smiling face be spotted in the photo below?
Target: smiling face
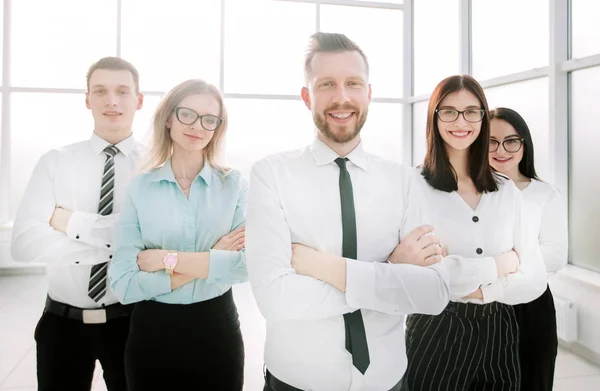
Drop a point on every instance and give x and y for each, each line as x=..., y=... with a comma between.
x=507, y=147
x=338, y=94
x=186, y=125
x=459, y=130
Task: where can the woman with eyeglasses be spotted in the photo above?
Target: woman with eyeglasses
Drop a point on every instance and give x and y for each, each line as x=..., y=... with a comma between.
x=511, y=153
x=476, y=214
x=179, y=249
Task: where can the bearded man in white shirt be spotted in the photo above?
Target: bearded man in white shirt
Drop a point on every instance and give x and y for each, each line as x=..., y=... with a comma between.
x=66, y=219
x=323, y=229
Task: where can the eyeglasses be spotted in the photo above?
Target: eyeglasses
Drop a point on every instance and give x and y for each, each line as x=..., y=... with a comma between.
x=512, y=145
x=451, y=115
x=189, y=117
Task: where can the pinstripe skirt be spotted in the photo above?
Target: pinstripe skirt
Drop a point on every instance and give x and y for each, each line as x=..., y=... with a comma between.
x=468, y=347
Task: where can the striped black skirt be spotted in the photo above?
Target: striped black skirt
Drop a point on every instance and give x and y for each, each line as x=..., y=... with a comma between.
x=467, y=347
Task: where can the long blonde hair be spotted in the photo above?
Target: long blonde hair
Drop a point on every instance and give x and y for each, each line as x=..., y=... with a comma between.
x=162, y=144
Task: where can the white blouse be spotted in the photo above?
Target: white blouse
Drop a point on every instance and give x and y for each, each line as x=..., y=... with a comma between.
x=495, y=226
x=546, y=214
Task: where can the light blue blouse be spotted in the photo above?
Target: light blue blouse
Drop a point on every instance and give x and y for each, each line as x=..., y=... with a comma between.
x=157, y=215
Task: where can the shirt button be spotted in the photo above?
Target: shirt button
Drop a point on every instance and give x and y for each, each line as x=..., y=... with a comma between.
x=475, y=219
x=479, y=251
x=77, y=237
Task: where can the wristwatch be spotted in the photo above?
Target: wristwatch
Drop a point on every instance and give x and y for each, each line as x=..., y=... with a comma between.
x=170, y=262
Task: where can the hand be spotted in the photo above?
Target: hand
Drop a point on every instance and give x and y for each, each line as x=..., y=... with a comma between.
x=151, y=260
x=418, y=248
x=233, y=241
x=60, y=219
x=507, y=263
x=478, y=294
x=306, y=260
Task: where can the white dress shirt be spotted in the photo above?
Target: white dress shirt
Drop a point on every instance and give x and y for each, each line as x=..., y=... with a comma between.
x=70, y=177
x=495, y=226
x=546, y=212
x=294, y=198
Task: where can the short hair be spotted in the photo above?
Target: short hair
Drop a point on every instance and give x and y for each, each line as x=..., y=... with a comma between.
x=321, y=42
x=514, y=119
x=114, y=64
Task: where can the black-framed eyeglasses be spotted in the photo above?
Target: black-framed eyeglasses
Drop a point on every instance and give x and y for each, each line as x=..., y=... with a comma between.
x=188, y=116
x=511, y=145
x=451, y=115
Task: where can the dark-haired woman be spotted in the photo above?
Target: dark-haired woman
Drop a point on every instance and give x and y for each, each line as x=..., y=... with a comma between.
x=473, y=343
x=511, y=153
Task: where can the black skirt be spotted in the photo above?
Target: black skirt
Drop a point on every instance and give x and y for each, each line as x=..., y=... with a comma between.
x=185, y=347
x=538, y=342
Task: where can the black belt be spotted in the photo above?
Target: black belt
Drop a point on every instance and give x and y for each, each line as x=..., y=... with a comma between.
x=277, y=385
x=89, y=316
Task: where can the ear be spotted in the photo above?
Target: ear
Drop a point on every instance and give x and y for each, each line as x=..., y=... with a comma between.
x=370, y=91
x=87, y=101
x=306, y=97
x=140, y=101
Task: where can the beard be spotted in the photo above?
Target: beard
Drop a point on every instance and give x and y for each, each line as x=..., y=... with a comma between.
x=343, y=133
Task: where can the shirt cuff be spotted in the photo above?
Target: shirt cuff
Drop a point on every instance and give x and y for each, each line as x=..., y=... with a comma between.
x=155, y=284
x=221, y=264
x=492, y=292
x=79, y=225
x=488, y=272
x=359, y=280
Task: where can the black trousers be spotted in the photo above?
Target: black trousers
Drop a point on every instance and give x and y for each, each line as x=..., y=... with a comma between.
x=538, y=342
x=185, y=347
x=468, y=347
x=67, y=350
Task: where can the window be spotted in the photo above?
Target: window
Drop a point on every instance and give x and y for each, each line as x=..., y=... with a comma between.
x=436, y=43
x=40, y=122
x=379, y=34
x=265, y=44
x=55, y=42
x=142, y=122
x=382, y=133
x=172, y=42
x=585, y=34
x=509, y=37
x=530, y=99
x=585, y=160
x=419, y=132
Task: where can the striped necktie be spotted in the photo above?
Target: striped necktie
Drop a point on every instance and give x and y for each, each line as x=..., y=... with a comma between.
x=97, y=285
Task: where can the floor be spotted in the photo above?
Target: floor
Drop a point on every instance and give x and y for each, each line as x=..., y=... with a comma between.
x=22, y=298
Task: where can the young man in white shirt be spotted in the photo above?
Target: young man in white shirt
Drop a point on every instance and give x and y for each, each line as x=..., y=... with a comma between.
x=66, y=219
x=323, y=229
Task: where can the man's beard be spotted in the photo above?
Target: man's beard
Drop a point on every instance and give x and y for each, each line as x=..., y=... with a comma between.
x=343, y=136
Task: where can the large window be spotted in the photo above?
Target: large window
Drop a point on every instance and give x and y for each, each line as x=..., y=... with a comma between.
x=585, y=160
x=509, y=36
x=585, y=34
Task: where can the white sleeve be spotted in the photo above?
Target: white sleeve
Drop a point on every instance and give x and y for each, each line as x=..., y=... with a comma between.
x=554, y=241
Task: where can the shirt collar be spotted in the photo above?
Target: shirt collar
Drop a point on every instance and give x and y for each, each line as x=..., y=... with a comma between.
x=324, y=155
x=165, y=173
x=99, y=144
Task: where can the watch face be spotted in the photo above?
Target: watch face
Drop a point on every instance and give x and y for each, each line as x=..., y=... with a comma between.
x=171, y=260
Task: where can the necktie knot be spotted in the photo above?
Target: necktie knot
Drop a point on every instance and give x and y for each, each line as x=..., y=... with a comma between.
x=341, y=161
x=111, y=150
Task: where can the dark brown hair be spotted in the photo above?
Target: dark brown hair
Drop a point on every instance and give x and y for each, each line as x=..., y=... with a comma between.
x=437, y=169
x=114, y=64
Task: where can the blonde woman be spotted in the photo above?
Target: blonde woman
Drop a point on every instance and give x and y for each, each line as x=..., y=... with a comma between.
x=180, y=247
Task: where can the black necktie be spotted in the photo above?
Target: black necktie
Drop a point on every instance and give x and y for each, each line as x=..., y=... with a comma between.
x=356, y=338
x=97, y=283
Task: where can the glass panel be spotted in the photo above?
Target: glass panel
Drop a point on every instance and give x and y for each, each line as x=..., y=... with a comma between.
x=585, y=160
x=379, y=34
x=171, y=42
x=260, y=127
x=265, y=44
x=382, y=133
x=509, y=37
x=419, y=129
x=436, y=43
x=65, y=121
x=142, y=123
x=54, y=48
x=530, y=99
x=585, y=34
